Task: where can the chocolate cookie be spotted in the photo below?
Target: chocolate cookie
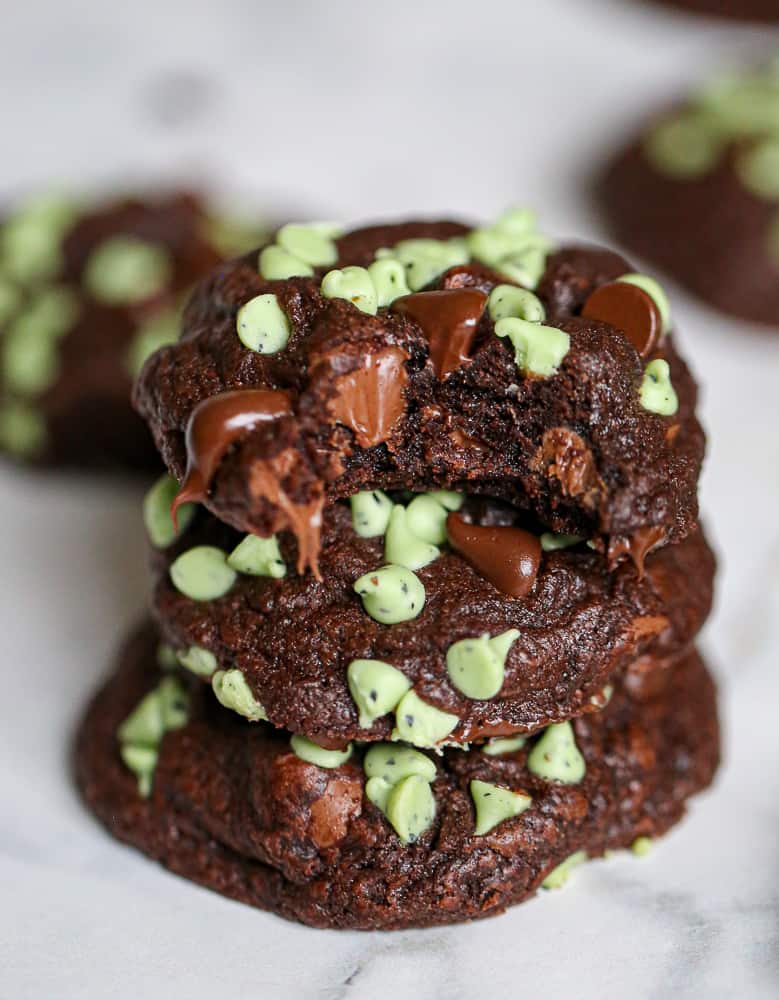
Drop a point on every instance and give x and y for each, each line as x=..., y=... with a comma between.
x=391, y=837
x=736, y=10
x=494, y=635
x=87, y=292
x=416, y=356
x=697, y=193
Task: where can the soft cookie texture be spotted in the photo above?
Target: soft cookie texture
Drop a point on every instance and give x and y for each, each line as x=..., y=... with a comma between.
x=293, y=638
x=697, y=193
x=87, y=292
x=231, y=805
x=407, y=365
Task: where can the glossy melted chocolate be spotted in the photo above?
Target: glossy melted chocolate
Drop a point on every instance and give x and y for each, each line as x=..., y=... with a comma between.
x=214, y=425
x=507, y=557
x=448, y=319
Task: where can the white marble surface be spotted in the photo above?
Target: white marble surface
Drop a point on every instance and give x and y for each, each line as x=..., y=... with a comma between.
x=352, y=109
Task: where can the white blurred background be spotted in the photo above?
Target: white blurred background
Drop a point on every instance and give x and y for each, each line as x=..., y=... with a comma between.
x=353, y=110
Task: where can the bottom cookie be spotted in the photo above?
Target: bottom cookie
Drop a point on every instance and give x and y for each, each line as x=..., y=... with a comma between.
x=231, y=805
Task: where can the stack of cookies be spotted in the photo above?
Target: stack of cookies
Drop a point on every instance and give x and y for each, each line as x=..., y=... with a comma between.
x=427, y=578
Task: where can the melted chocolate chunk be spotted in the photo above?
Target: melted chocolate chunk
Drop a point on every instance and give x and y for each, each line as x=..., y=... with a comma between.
x=508, y=557
x=449, y=320
x=637, y=546
x=267, y=479
x=214, y=425
x=369, y=400
x=566, y=458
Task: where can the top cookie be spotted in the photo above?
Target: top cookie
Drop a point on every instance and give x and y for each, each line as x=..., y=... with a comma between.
x=87, y=292
x=429, y=355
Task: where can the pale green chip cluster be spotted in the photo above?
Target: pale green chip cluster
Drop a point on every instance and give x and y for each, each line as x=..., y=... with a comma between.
x=167, y=658
x=412, y=532
x=389, y=280
x=22, y=430
x=121, y=271
x=758, y=168
x=379, y=688
x=275, y=264
x=159, y=330
x=684, y=147
x=30, y=364
x=402, y=546
x=476, y=666
x=392, y=762
x=391, y=594
x=555, y=756
x=353, y=284
x=426, y=515
x=508, y=301
x=558, y=876
x=164, y=708
x=519, y=314
x=376, y=688
x=202, y=573
x=232, y=236
x=421, y=724
x=641, y=846
x=10, y=299
x=255, y=556
x=232, y=690
x=448, y=499
x=30, y=353
x=741, y=109
x=494, y=804
x=399, y=780
x=538, y=350
x=298, y=250
x=157, y=517
x=423, y=260
x=497, y=746
x=198, y=660
x=312, y=243
x=551, y=542
x=125, y=270
x=657, y=394
x=31, y=239
x=312, y=753
x=262, y=325
x=513, y=246
x=205, y=572
x=371, y=511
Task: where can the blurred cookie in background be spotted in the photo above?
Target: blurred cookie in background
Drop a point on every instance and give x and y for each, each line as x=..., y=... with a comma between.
x=737, y=10
x=697, y=193
x=87, y=292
